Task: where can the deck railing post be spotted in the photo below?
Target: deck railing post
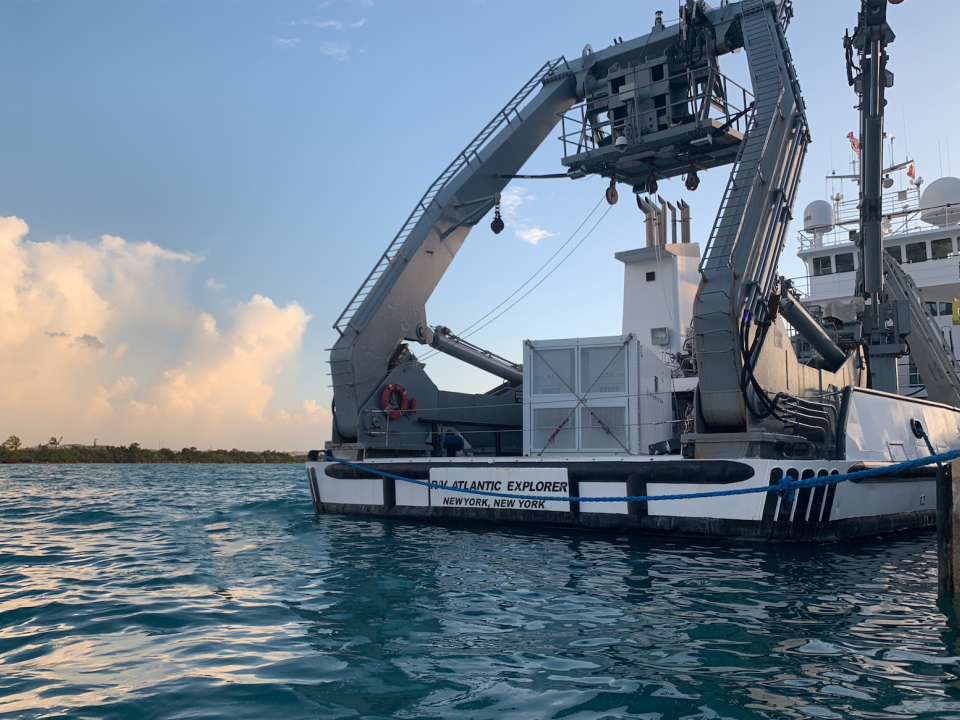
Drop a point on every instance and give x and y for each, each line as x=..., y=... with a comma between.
x=636, y=487
x=389, y=493
x=948, y=524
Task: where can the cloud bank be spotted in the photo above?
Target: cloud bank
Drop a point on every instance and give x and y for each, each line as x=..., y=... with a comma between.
x=99, y=341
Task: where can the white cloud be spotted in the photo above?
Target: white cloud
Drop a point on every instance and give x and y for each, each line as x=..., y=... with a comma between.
x=511, y=200
x=532, y=235
x=364, y=3
x=64, y=303
x=223, y=380
x=335, y=50
x=214, y=285
x=285, y=43
x=335, y=24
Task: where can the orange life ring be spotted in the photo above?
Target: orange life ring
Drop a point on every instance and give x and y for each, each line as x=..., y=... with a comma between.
x=396, y=413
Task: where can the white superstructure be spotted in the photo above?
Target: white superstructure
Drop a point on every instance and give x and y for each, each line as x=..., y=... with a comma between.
x=659, y=285
x=921, y=230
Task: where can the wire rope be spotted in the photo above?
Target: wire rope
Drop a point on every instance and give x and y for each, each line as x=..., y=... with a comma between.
x=466, y=331
x=552, y=271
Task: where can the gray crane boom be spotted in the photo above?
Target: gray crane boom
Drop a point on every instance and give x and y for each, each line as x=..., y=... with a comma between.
x=933, y=358
x=739, y=270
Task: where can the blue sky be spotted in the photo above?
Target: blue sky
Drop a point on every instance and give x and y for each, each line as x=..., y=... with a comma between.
x=285, y=143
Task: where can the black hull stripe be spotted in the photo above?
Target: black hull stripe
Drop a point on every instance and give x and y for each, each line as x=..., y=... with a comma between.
x=708, y=472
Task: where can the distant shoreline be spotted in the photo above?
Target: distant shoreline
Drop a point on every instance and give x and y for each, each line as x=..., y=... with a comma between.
x=135, y=455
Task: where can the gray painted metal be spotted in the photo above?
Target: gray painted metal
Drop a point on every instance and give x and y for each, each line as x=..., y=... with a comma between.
x=932, y=356
x=449, y=344
x=870, y=40
x=740, y=263
x=684, y=221
x=657, y=106
x=804, y=323
x=651, y=214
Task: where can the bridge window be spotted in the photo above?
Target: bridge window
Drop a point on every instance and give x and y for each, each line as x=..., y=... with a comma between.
x=822, y=265
x=844, y=262
x=941, y=249
x=946, y=308
x=930, y=308
x=894, y=250
x=916, y=252
x=914, y=376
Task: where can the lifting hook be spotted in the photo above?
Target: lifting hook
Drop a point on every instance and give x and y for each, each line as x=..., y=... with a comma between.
x=497, y=224
x=651, y=185
x=693, y=180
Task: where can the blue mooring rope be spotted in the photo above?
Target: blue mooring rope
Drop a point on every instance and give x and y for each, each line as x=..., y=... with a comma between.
x=785, y=488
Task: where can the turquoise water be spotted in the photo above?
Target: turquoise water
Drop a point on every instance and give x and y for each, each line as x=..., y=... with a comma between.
x=208, y=592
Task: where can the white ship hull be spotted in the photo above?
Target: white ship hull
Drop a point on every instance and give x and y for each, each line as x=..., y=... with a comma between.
x=831, y=512
x=877, y=433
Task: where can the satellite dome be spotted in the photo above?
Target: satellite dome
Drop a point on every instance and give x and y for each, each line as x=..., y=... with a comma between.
x=940, y=202
x=818, y=217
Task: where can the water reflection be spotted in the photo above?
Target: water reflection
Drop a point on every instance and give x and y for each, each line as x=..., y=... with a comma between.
x=158, y=592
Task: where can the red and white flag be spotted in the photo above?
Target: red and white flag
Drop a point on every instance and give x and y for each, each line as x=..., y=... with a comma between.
x=854, y=143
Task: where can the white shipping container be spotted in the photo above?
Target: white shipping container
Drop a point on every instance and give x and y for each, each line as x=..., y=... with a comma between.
x=594, y=396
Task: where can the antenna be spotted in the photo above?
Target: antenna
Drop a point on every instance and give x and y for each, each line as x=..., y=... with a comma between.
x=906, y=144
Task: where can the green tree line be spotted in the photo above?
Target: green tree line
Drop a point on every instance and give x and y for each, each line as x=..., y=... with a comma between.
x=13, y=451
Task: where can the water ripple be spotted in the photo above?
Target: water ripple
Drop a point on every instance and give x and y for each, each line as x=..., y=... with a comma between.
x=174, y=592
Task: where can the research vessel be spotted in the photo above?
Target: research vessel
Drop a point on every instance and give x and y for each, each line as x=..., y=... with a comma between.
x=723, y=380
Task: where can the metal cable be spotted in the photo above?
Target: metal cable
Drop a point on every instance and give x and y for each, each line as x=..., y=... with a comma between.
x=466, y=332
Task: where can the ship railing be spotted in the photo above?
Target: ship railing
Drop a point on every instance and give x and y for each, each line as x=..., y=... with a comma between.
x=901, y=225
x=900, y=210
x=730, y=196
x=588, y=125
x=894, y=203
x=803, y=283
x=785, y=13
